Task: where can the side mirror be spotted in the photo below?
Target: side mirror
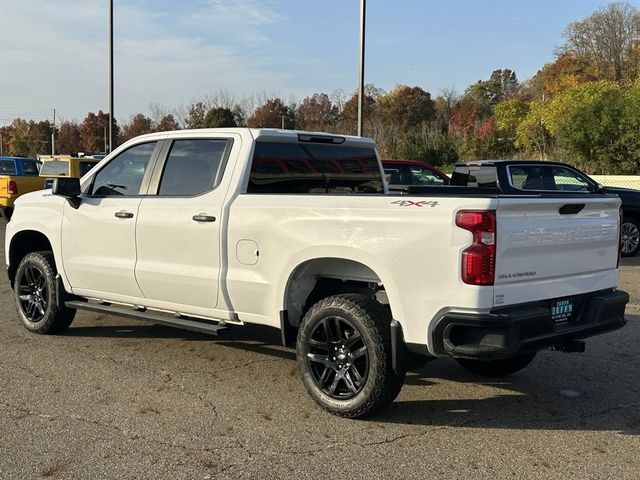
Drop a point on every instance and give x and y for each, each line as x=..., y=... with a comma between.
x=68, y=188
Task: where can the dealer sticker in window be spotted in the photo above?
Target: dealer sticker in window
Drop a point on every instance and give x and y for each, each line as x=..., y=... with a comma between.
x=561, y=311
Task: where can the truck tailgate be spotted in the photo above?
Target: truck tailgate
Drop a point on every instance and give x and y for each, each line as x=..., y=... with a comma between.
x=555, y=247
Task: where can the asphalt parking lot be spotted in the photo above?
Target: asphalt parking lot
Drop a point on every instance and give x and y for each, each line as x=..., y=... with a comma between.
x=116, y=398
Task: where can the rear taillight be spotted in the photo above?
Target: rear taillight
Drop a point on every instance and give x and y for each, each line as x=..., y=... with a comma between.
x=620, y=219
x=479, y=259
x=12, y=188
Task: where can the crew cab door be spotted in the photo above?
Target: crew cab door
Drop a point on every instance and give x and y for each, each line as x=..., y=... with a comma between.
x=98, y=238
x=179, y=226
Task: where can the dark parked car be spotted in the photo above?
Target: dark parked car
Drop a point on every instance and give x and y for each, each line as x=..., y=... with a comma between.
x=529, y=176
x=402, y=174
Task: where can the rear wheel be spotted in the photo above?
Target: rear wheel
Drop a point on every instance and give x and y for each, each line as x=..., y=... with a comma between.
x=35, y=294
x=497, y=368
x=630, y=231
x=344, y=356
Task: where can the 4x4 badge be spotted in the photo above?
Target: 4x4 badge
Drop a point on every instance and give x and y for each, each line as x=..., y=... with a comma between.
x=411, y=203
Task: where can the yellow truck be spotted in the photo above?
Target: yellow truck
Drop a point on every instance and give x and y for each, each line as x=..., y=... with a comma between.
x=18, y=176
x=64, y=166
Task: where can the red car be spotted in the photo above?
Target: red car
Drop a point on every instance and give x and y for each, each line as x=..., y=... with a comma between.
x=402, y=174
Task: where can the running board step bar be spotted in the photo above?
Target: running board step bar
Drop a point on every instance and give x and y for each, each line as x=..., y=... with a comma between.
x=201, y=326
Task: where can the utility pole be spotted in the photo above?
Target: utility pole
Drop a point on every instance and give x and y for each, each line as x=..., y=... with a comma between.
x=363, y=14
x=1, y=144
x=53, y=134
x=282, y=118
x=110, y=77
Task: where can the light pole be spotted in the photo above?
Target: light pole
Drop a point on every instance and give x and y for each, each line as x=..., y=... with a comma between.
x=110, y=76
x=53, y=134
x=363, y=14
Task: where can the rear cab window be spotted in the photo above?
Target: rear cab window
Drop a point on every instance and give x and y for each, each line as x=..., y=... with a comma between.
x=7, y=167
x=55, y=167
x=290, y=167
x=485, y=176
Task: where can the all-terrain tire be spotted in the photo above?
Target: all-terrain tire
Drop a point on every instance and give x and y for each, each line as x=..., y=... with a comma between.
x=366, y=331
x=35, y=295
x=497, y=368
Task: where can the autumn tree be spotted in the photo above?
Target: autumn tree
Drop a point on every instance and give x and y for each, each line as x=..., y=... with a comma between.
x=29, y=138
x=318, y=113
x=139, y=125
x=348, y=119
x=167, y=123
x=94, y=130
x=68, y=138
x=219, y=117
x=609, y=39
x=273, y=114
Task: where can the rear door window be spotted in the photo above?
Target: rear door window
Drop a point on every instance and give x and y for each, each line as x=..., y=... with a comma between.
x=193, y=166
x=569, y=180
x=313, y=168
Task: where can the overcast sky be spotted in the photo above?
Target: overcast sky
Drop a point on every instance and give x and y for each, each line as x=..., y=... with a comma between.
x=54, y=53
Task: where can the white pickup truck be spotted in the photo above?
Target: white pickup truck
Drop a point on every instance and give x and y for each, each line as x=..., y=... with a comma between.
x=213, y=229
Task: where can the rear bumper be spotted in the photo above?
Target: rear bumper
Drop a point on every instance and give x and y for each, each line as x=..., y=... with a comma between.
x=508, y=332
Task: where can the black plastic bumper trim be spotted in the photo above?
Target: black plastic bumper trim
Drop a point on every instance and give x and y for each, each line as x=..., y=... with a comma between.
x=513, y=331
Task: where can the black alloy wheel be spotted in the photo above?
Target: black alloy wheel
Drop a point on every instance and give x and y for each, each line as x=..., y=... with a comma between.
x=343, y=352
x=630, y=237
x=338, y=358
x=33, y=293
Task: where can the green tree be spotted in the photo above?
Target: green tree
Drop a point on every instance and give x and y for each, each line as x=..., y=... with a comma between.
x=406, y=106
x=219, y=117
x=195, y=115
x=503, y=83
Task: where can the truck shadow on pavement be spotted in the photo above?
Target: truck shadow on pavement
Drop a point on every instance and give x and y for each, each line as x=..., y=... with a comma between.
x=551, y=394
x=531, y=399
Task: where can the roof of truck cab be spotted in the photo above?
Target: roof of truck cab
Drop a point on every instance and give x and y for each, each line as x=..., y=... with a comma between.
x=479, y=163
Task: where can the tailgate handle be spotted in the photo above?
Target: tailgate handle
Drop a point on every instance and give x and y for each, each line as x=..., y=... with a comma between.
x=571, y=208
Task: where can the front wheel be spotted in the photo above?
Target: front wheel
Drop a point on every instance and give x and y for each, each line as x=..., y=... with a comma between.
x=630, y=233
x=497, y=368
x=35, y=295
x=344, y=356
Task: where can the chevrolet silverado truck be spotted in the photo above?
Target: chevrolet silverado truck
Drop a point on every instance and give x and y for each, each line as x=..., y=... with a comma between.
x=18, y=175
x=537, y=177
x=214, y=229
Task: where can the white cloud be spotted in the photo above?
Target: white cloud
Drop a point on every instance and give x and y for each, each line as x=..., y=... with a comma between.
x=55, y=54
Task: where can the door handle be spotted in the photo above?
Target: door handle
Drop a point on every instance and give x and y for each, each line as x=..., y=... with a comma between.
x=204, y=218
x=123, y=214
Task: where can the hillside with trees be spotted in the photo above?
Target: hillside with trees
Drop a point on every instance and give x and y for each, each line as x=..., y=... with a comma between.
x=583, y=108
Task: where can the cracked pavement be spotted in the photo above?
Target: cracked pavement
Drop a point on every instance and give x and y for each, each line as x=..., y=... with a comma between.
x=116, y=398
